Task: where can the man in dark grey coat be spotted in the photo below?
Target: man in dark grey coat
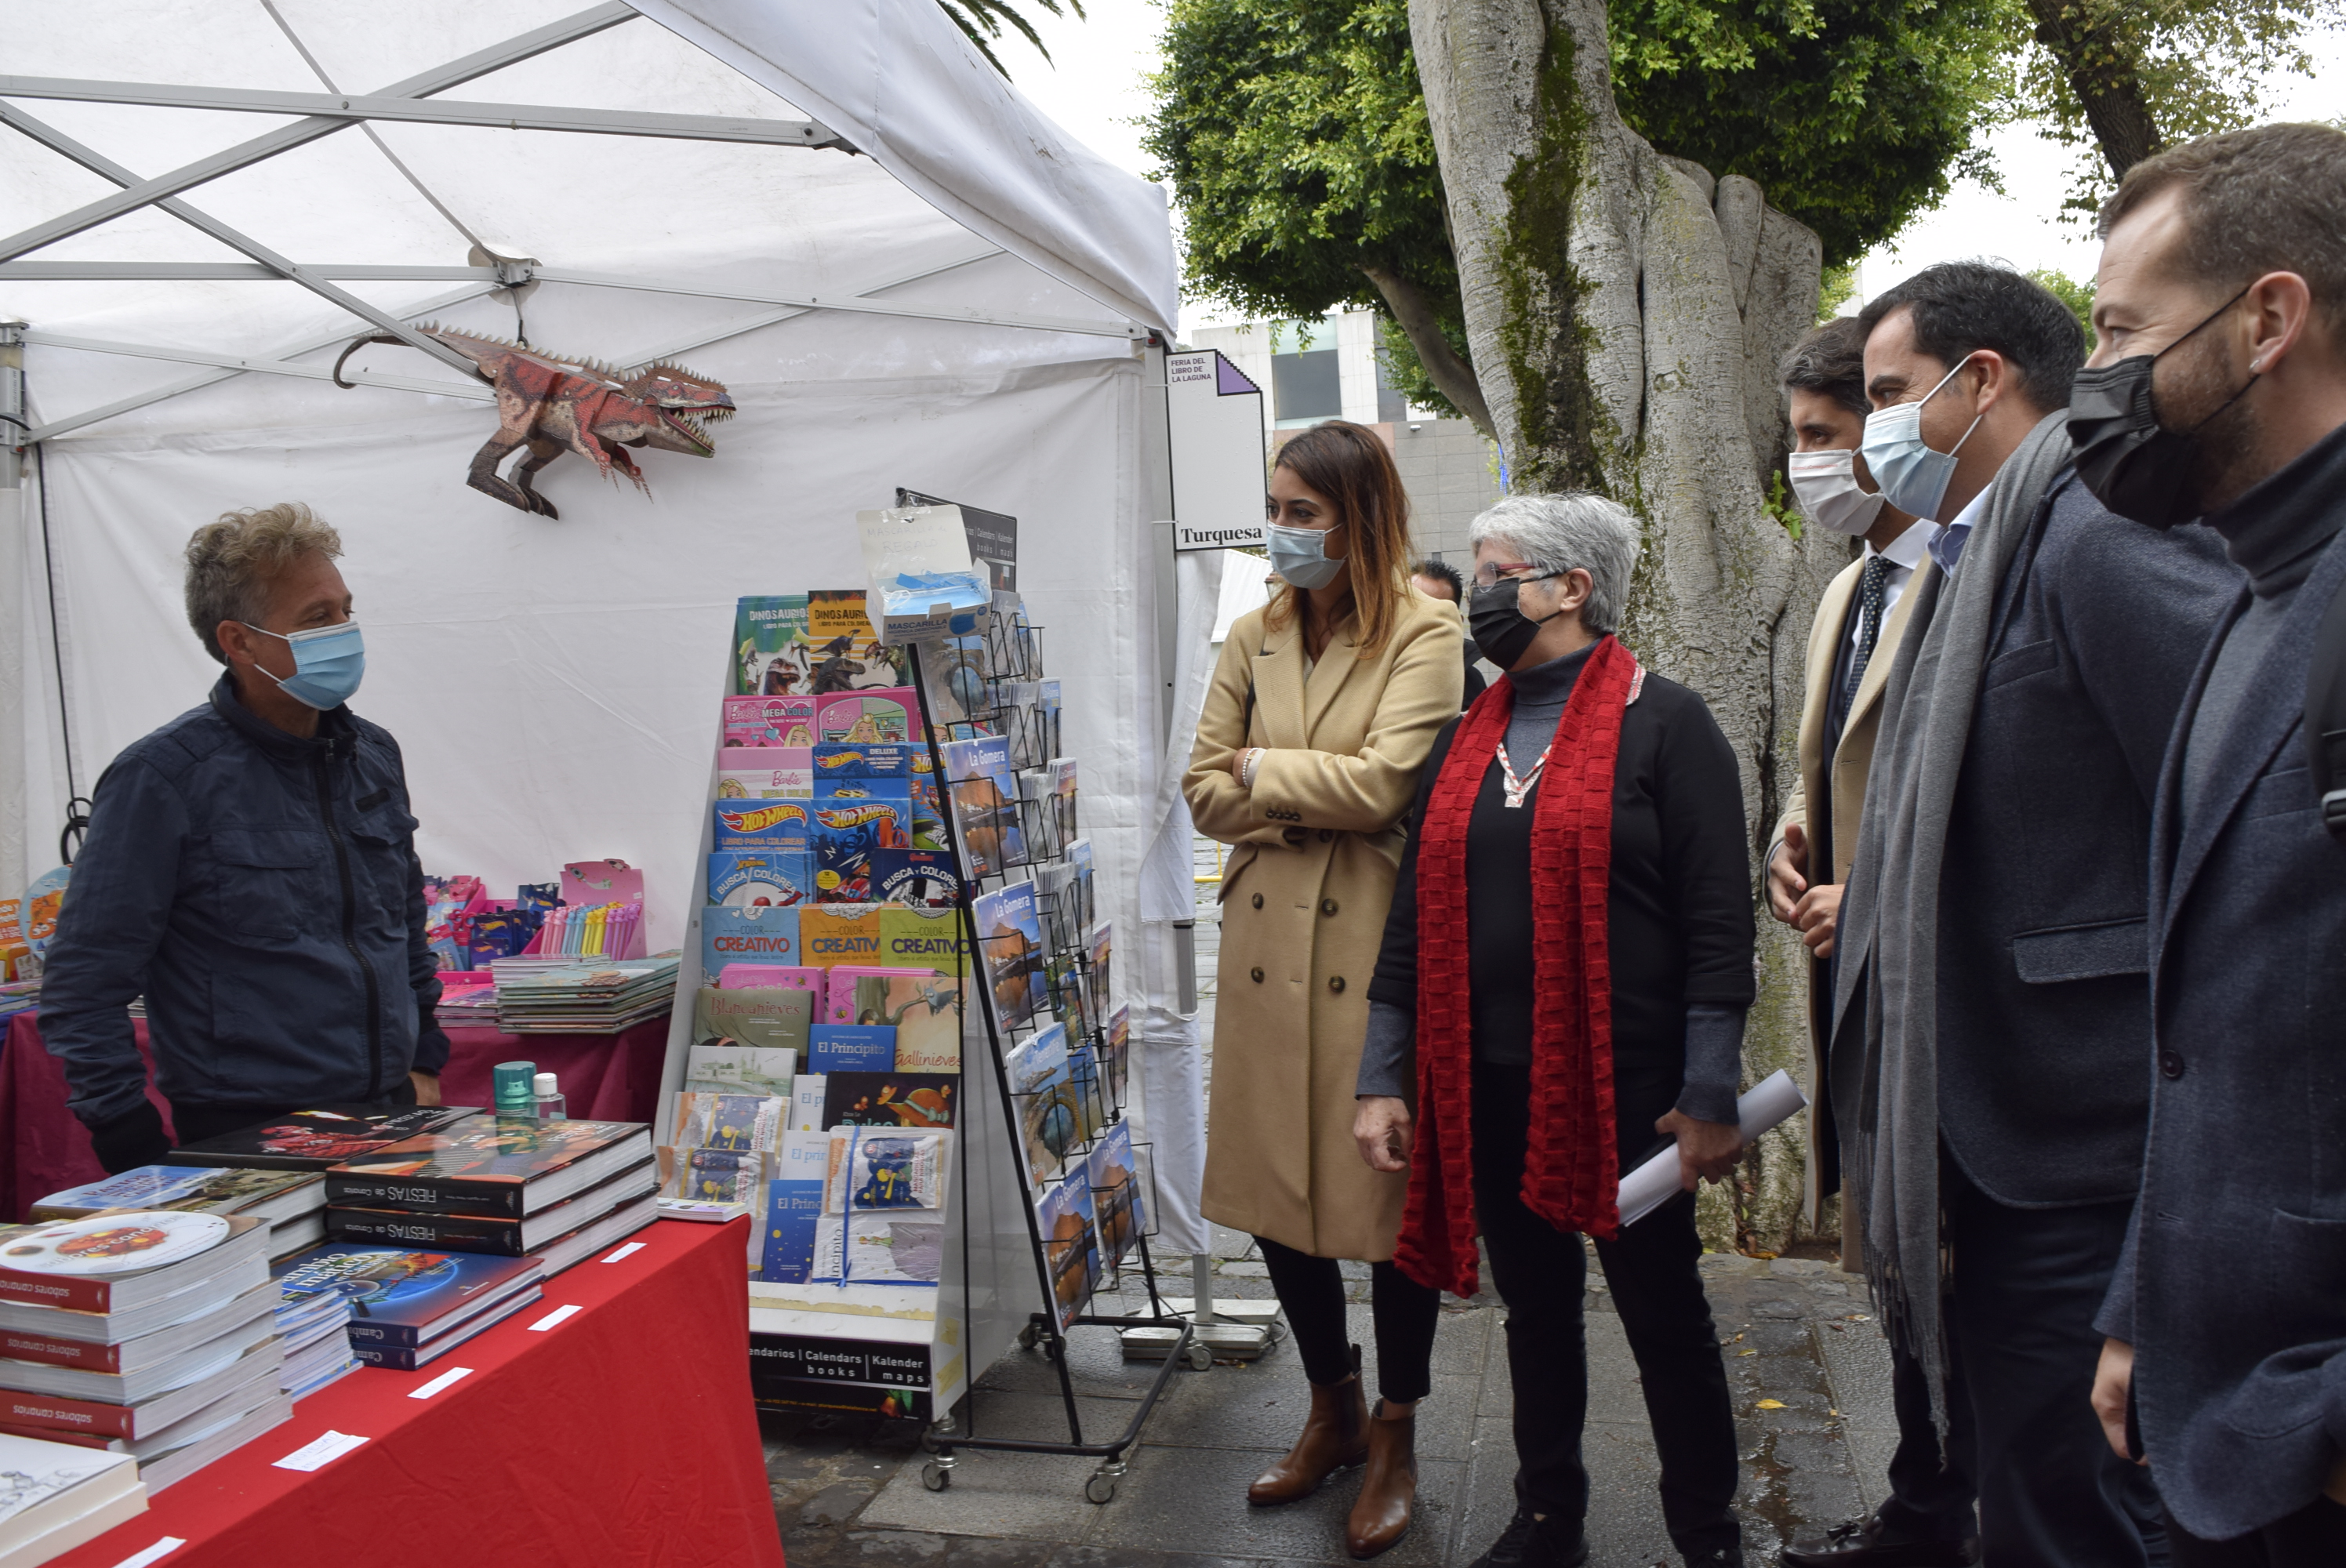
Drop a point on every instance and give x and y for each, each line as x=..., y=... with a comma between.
x=2223, y=297
x=1992, y=1015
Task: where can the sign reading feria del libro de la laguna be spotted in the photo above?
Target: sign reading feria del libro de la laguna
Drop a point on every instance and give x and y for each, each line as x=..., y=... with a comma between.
x=1213, y=417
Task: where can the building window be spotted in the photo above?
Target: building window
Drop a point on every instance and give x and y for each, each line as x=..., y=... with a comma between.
x=1306, y=386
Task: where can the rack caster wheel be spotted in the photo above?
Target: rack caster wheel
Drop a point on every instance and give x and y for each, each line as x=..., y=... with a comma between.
x=1100, y=1489
x=1199, y=1357
x=936, y=1477
x=1051, y=1349
x=1028, y=1337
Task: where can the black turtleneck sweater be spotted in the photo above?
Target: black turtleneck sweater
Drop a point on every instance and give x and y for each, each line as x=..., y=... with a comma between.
x=1680, y=921
x=2277, y=547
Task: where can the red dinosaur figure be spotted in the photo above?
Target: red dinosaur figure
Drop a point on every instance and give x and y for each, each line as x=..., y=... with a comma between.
x=551, y=405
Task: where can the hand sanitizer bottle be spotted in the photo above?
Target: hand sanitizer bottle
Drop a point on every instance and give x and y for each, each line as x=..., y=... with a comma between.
x=548, y=1099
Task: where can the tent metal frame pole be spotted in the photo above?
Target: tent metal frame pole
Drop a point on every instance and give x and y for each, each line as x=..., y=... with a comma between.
x=474, y=389
x=810, y=134
x=456, y=72
x=197, y=384
x=1128, y=330
x=15, y=427
x=99, y=164
x=230, y=273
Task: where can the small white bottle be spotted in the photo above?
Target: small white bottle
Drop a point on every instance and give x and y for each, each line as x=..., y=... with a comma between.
x=547, y=1098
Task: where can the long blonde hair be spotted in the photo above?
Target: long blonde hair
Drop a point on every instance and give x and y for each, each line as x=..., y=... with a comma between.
x=1351, y=466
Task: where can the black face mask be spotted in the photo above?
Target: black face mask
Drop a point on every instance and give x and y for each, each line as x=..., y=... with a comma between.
x=2133, y=465
x=1501, y=628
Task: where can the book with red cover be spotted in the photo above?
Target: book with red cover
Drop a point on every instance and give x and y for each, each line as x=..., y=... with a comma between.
x=316, y=1138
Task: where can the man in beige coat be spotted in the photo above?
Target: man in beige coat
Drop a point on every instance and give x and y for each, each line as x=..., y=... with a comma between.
x=1928, y=1517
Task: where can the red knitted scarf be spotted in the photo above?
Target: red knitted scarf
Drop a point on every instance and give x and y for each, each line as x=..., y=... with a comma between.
x=1570, y=1177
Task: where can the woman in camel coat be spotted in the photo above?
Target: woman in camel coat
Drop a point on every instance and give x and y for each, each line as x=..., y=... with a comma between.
x=1321, y=715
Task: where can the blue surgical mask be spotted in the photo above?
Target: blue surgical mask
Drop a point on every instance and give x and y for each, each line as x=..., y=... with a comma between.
x=1301, y=556
x=329, y=662
x=1910, y=475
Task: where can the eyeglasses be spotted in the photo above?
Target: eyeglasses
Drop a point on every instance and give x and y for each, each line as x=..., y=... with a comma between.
x=1489, y=573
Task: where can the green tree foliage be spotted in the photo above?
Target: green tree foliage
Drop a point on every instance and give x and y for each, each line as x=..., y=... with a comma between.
x=2078, y=296
x=982, y=21
x=1852, y=114
x=2119, y=79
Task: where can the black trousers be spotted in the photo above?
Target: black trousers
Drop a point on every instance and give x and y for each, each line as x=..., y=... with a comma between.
x=2312, y=1537
x=1930, y=1488
x=1651, y=1271
x=2023, y=1287
x=1311, y=1292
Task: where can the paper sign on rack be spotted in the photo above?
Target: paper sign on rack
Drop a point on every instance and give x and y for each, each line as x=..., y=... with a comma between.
x=923, y=584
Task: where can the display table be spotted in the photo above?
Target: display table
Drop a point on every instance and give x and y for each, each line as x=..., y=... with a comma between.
x=42, y=1149
x=623, y=1434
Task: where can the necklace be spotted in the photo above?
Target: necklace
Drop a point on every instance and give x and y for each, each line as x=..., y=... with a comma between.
x=1517, y=788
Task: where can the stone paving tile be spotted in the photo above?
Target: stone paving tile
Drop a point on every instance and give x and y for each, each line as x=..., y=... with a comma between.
x=1197, y=1497
x=1808, y=1368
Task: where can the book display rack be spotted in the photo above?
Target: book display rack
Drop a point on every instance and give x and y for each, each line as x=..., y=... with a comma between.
x=936, y=1170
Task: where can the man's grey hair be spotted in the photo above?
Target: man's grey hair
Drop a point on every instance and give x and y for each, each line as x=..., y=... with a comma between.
x=1567, y=530
x=233, y=560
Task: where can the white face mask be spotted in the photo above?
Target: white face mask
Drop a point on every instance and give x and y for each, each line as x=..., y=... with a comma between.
x=1825, y=485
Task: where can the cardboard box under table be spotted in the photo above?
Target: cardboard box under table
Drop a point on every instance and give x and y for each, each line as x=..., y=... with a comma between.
x=609, y=1423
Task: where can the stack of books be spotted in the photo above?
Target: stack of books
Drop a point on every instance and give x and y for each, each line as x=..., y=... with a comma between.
x=408, y=1308
x=593, y=996
x=59, y=1495
x=150, y=1333
x=467, y=998
x=294, y=1202
x=311, y=1140
x=553, y=1192
x=314, y=1329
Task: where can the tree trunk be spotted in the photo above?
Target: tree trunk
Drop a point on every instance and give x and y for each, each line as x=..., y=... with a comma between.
x=1453, y=377
x=1626, y=315
x=2101, y=72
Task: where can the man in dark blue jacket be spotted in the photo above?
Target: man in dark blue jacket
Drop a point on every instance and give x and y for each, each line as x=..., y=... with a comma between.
x=249, y=869
x=2219, y=387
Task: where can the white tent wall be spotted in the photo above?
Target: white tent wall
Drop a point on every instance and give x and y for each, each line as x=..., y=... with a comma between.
x=553, y=682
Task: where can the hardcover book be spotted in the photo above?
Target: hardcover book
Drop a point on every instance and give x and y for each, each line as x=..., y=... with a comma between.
x=124, y=1259
x=923, y=1101
x=270, y=1194
x=728, y=1122
x=851, y=1048
x=792, y=1208
x=715, y=1176
x=848, y=656
x=905, y=1246
x=810, y=1092
x=767, y=1017
x=480, y=1233
x=747, y=935
x=876, y=1169
x=312, y=1140
x=401, y=1294
x=489, y=1164
x=923, y=1009
x=739, y=1070
x=409, y=1359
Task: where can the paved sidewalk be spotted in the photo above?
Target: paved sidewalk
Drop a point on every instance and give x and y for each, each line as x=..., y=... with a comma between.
x=1808, y=1364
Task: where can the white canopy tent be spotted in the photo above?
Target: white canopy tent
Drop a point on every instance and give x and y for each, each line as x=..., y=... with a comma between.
x=200, y=204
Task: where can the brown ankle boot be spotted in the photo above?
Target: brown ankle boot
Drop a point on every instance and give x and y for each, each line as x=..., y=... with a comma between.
x=1389, y=1486
x=1335, y=1437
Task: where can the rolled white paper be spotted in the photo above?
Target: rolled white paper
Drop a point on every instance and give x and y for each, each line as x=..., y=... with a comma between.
x=1763, y=1106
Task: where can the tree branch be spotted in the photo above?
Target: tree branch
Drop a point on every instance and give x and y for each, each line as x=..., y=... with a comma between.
x=1451, y=375
x=2101, y=71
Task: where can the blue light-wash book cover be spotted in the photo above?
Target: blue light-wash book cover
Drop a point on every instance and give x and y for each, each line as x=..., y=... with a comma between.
x=792, y=1207
x=851, y=1048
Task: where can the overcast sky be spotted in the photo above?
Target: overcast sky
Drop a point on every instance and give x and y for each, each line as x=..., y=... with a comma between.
x=1096, y=90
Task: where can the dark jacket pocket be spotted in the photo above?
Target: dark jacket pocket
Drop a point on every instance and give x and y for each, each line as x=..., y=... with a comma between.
x=2020, y=662
x=2278, y=793
x=262, y=877
x=2082, y=952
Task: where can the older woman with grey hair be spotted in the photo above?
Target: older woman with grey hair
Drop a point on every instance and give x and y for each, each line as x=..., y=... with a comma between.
x=1563, y=981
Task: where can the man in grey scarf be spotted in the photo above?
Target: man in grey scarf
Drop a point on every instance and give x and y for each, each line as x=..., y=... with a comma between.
x=1991, y=1052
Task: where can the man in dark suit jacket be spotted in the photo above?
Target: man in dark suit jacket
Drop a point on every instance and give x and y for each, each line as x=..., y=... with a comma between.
x=2223, y=285
x=2001, y=1018
x=1438, y=579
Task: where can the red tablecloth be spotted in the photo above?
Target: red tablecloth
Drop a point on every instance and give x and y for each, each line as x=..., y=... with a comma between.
x=624, y=1434
x=604, y=1078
